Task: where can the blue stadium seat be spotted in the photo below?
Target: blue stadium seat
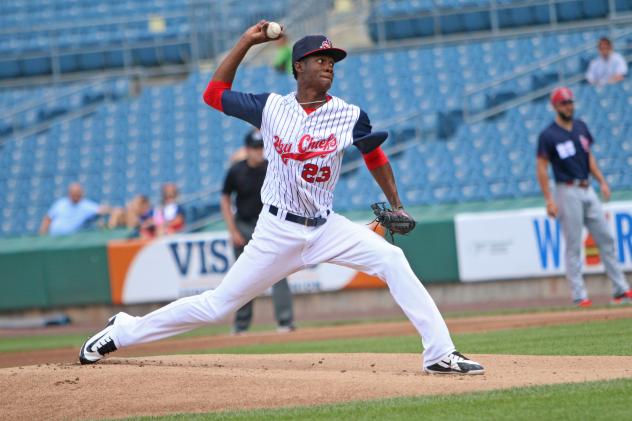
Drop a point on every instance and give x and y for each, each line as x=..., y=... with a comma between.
x=9, y=69
x=477, y=21
x=523, y=16
x=569, y=10
x=623, y=5
x=145, y=56
x=35, y=66
x=451, y=24
x=595, y=9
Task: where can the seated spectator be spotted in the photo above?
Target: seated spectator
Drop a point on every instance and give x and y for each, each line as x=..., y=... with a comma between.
x=608, y=67
x=135, y=213
x=71, y=214
x=168, y=218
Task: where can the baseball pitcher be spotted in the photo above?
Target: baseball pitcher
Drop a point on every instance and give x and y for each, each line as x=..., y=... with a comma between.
x=305, y=134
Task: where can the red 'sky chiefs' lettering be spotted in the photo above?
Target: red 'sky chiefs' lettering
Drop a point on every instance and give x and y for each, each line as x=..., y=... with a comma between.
x=307, y=146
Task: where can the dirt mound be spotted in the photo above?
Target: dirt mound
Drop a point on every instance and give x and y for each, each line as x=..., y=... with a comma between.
x=179, y=384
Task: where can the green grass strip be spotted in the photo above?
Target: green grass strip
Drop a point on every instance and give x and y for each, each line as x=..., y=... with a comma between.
x=407, y=344
x=51, y=340
x=34, y=343
x=596, y=338
x=605, y=400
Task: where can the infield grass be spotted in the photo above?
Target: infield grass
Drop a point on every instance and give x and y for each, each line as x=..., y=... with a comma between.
x=595, y=338
x=53, y=339
x=606, y=400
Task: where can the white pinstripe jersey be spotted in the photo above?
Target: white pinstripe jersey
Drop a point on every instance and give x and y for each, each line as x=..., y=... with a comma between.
x=304, y=151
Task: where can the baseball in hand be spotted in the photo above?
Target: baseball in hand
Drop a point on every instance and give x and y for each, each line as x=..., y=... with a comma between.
x=273, y=31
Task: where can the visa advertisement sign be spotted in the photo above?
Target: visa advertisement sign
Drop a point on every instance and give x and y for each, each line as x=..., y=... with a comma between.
x=177, y=266
x=526, y=243
x=167, y=268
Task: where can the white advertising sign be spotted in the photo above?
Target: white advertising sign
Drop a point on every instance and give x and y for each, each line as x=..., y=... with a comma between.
x=182, y=265
x=526, y=243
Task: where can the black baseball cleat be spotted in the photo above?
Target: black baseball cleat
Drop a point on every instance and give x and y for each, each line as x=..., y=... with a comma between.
x=455, y=363
x=97, y=346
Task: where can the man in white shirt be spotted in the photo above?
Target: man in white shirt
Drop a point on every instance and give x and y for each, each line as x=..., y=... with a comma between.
x=70, y=214
x=609, y=67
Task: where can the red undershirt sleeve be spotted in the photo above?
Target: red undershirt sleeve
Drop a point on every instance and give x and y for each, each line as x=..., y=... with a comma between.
x=213, y=93
x=375, y=159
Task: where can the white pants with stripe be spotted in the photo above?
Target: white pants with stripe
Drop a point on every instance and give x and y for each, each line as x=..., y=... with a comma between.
x=279, y=248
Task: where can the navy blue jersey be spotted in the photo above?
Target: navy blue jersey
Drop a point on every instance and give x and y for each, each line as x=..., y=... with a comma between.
x=567, y=151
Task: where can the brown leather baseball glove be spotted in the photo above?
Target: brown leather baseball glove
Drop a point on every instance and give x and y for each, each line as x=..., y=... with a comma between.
x=396, y=221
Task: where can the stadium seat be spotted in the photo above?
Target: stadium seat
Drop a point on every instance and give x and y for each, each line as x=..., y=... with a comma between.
x=523, y=16
x=35, y=66
x=478, y=21
x=569, y=10
x=595, y=9
x=623, y=5
x=9, y=69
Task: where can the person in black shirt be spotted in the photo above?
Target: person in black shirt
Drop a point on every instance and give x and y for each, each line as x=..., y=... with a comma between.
x=245, y=179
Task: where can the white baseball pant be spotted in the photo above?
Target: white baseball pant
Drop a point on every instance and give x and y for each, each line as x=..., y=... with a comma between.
x=279, y=248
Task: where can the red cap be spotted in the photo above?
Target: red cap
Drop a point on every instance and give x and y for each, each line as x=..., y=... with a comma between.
x=561, y=94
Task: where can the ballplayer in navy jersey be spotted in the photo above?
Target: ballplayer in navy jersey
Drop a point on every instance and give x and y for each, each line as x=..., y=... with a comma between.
x=305, y=134
x=566, y=143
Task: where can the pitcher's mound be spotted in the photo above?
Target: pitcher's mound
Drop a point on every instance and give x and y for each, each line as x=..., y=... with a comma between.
x=201, y=383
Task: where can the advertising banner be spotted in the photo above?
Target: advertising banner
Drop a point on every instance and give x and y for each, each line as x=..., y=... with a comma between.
x=182, y=265
x=526, y=243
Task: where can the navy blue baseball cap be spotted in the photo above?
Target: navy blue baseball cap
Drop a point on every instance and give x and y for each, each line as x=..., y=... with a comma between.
x=254, y=139
x=316, y=44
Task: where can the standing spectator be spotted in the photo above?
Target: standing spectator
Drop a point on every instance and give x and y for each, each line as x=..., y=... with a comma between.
x=168, y=218
x=566, y=143
x=70, y=214
x=608, y=67
x=245, y=178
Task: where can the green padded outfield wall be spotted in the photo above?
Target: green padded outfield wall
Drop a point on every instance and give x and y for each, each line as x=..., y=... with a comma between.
x=51, y=272
x=431, y=251
x=77, y=276
x=22, y=280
